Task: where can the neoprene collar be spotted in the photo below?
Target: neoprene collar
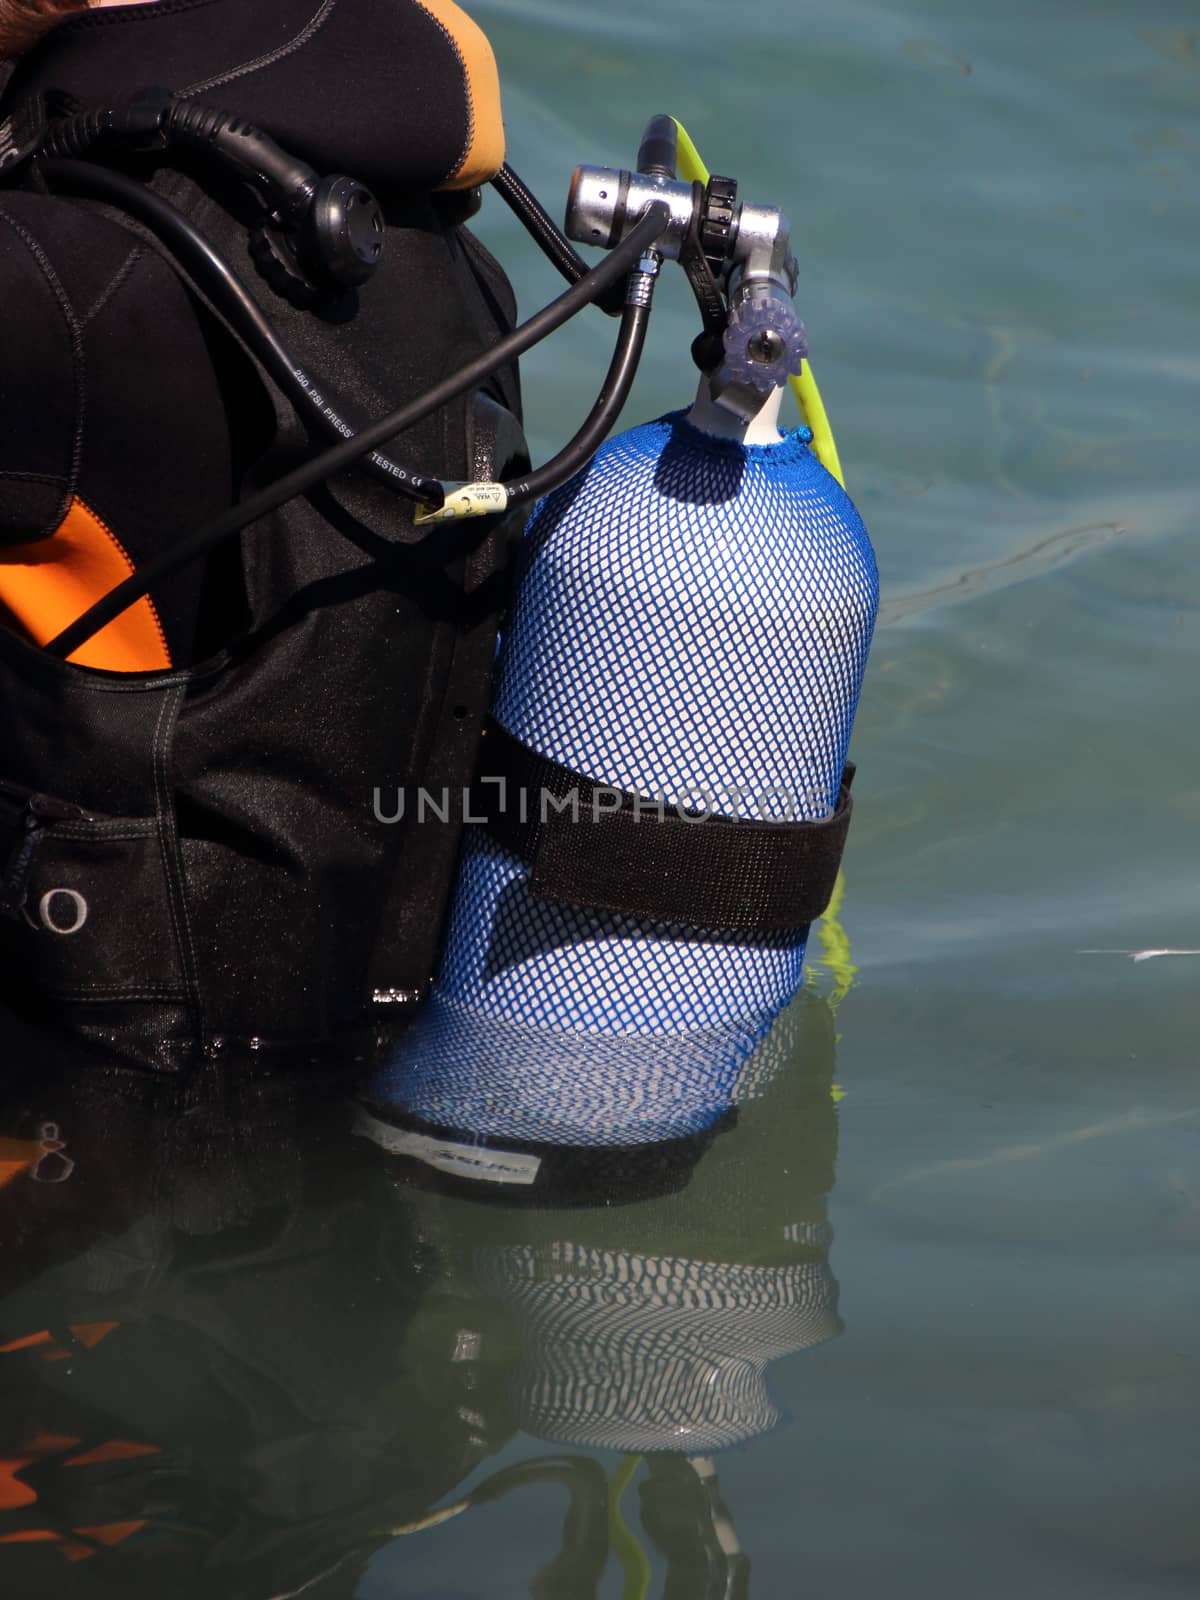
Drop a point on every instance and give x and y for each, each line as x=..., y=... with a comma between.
x=415, y=104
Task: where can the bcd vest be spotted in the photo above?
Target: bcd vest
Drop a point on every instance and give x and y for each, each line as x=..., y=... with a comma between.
x=196, y=855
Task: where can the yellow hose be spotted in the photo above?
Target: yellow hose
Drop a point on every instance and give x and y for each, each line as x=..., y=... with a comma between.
x=836, y=956
x=691, y=168
x=634, y=1562
x=835, y=942
x=804, y=388
x=812, y=409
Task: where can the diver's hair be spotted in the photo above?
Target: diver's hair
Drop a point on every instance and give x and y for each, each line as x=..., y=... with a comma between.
x=23, y=22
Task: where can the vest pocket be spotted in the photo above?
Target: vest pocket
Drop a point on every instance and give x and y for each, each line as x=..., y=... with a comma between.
x=85, y=902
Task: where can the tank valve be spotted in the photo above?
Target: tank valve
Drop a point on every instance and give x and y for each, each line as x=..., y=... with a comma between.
x=764, y=342
x=747, y=249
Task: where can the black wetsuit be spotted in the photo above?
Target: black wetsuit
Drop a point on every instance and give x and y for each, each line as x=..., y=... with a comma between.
x=233, y=877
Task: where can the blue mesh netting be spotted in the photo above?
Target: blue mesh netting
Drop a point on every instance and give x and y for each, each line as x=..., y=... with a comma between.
x=692, y=621
x=693, y=615
x=463, y=1069
x=553, y=966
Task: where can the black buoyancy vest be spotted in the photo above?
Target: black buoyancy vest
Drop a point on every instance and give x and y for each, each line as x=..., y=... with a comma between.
x=196, y=855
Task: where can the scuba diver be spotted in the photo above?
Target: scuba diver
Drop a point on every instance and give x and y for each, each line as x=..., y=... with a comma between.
x=185, y=816
x=257, y=516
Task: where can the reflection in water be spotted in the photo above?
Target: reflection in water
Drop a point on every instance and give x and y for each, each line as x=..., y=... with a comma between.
x=647, y=1325
x=244, y=1351
x=200, y=1385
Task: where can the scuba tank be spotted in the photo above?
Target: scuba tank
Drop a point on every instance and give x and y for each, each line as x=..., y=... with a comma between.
x=665, y=780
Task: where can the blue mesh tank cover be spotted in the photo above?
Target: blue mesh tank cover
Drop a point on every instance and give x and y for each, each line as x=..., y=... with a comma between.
x=692, y=620
x=692, y=623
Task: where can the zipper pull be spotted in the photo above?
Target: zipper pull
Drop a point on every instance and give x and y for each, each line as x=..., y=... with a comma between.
x=43, y=808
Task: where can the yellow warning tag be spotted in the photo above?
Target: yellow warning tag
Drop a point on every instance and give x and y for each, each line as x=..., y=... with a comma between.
x=472, y=500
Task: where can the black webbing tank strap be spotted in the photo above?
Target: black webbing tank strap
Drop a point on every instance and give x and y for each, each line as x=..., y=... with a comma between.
x=590, y=845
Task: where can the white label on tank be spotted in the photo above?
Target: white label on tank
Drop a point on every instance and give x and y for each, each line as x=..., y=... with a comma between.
x=467, y=1160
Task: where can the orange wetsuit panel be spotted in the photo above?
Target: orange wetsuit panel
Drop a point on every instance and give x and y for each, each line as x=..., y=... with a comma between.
x=485, y=148
x=17, y=1156
x=45, y=585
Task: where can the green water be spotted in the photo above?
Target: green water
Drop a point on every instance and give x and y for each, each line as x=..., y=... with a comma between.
x=995, y=211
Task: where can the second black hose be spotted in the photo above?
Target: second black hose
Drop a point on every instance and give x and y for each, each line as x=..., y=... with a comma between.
x=546, y=234
x=615, y=266
x=618, y=381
